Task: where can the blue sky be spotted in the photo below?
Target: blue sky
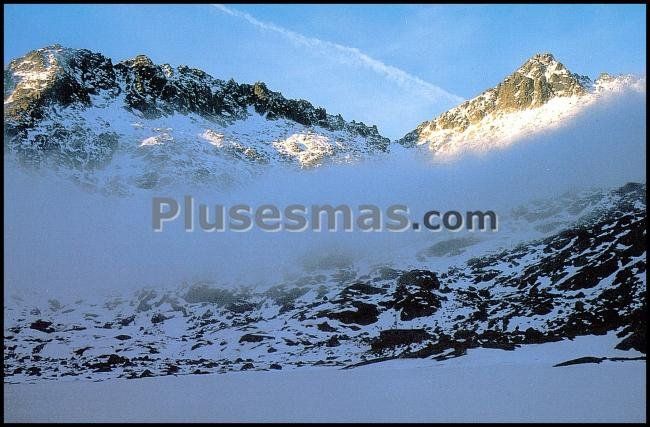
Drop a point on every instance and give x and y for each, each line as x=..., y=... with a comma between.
x=390, y=65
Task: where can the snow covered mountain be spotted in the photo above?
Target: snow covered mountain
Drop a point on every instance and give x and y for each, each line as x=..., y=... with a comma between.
x=583, y=274
x=557, y=269
x=138, y=124
x=540, y=95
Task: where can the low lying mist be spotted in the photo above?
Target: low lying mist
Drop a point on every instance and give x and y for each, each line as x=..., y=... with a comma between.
x=61, y=240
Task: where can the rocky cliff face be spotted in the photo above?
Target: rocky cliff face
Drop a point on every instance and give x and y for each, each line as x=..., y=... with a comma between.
x=79, y=108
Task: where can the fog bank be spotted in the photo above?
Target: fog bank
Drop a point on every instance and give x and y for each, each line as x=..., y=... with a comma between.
x=60, y=239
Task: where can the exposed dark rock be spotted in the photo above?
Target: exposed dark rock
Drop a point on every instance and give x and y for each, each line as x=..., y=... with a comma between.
x=325, y=327
x=365, y=314
x=127, y=320
x=37, y=349
x=146, y=373
x=33, y=371
x=414, y=294
x=241, y=306
x=111, y=361
x=391, y=338
x=43, y=326
x=421, y=279
x=636, y=332
x=333, y=341
x=581, y=360
x=80, y=351
x=254, y=338
x=158, y=318
x=361, y=289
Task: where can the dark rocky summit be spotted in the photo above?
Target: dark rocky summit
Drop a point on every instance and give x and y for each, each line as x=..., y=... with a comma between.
x=50, y=92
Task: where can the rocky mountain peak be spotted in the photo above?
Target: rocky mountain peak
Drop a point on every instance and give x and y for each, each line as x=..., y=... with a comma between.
x=53, y=75
x=140, y=61
x=532, y=85
x=544, y=59
x=544, y=66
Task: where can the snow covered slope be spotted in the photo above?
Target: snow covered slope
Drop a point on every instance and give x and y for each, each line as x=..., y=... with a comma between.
x=539, y=96
x=585, y=275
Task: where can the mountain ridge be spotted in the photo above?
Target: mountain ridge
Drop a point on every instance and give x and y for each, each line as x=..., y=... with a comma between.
x=76, y=105
x=80, y=113
x=152, y=89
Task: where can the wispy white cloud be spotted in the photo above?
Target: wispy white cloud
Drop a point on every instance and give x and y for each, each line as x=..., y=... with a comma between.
x=353, y=55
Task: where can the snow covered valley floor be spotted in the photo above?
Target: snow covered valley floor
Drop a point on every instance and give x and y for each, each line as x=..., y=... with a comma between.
x=486, y=385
